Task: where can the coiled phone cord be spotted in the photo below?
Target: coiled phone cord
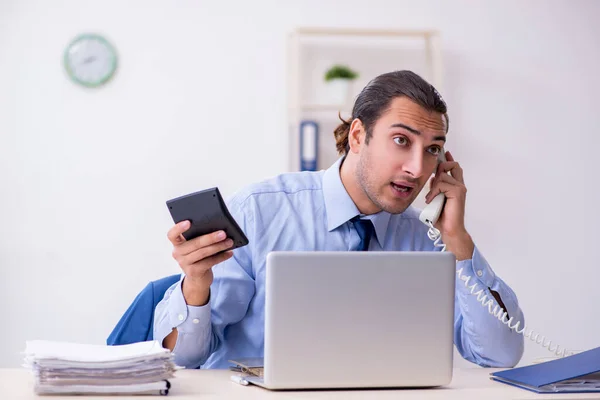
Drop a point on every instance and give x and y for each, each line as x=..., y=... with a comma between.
x=497, y=311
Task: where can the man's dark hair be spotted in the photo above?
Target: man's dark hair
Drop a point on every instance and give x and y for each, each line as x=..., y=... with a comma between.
x=375, y=99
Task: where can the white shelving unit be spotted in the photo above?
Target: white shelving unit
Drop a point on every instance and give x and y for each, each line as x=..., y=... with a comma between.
x=369, y=51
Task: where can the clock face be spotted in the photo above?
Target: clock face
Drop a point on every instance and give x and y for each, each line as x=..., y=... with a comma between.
x=90, y=60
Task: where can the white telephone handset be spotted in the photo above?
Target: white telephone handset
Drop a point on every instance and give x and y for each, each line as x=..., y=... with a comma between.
x=429, y=216
x=432, y=211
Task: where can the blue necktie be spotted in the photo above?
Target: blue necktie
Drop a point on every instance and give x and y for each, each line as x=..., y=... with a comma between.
x=365, y=230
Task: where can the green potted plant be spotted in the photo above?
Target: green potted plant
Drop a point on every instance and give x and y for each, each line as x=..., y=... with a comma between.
x=338, y=79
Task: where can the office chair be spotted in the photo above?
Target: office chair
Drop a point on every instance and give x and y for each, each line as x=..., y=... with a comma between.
x=136, y=325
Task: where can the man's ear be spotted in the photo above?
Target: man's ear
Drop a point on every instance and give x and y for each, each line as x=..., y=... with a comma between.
x=356, y=135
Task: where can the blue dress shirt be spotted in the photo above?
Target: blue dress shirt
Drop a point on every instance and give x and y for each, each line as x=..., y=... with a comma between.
x=311, y=211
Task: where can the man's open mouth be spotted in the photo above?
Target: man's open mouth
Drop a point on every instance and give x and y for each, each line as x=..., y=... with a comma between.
x=402, y=188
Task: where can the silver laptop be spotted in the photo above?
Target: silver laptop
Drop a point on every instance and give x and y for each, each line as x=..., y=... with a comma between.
x=358, y=320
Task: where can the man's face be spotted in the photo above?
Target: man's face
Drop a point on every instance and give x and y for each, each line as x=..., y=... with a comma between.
x=401, y=155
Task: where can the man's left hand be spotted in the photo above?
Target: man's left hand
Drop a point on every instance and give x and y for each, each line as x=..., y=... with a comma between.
x=452, y=220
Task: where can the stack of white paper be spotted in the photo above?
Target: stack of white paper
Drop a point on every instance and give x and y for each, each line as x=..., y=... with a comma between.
x=60, y=367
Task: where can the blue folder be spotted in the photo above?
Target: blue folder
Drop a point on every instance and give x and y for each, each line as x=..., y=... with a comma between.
x=578, y=373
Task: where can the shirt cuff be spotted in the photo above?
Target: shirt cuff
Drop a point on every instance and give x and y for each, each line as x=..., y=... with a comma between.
x=482, y=274
x=478, y=269
x=187, y=319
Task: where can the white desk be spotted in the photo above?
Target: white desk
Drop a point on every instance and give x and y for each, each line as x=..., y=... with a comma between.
x=467, y=383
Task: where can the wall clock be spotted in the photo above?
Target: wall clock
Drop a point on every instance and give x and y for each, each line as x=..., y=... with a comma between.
x=90, y=60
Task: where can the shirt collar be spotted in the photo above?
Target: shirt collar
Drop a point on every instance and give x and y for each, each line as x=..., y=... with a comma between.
x=340, y=207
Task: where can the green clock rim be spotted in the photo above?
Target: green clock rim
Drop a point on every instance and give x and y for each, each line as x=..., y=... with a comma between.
x=87, y=36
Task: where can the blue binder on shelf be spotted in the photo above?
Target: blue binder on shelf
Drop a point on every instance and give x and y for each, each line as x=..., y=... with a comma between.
x=309, y=145
x=578, y=373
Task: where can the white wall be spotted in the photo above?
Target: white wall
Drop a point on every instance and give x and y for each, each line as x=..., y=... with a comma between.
x=199, y=100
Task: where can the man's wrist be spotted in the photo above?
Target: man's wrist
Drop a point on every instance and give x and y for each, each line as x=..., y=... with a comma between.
x=195, y=294
x=460, y=244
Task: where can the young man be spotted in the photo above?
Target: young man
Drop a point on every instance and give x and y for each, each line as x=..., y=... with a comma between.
x=389, y=150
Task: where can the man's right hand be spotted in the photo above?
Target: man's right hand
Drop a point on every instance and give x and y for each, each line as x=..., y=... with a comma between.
x=196, y=258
